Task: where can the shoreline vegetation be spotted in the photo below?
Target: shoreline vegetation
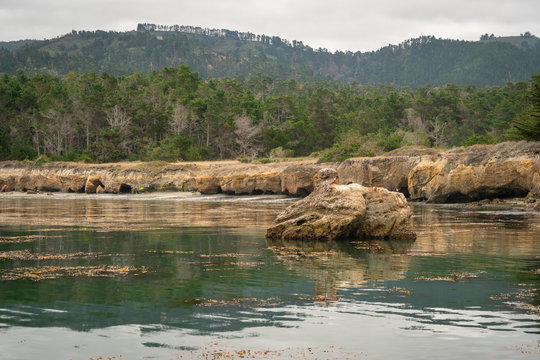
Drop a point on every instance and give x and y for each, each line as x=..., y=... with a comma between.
x=479, y=173
x=174, y=115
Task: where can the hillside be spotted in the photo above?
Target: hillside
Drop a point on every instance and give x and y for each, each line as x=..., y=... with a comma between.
x=223, y=53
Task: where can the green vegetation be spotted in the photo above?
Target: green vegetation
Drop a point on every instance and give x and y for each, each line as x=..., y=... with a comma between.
x=222, y=53
x=173, y=114
x=527, y=124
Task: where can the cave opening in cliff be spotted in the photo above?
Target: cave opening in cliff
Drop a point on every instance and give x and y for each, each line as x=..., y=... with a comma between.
x=125, y=189
x=499, y=193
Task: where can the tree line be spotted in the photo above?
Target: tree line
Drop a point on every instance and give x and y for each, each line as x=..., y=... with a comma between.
x=174, y=114
x=224, y=54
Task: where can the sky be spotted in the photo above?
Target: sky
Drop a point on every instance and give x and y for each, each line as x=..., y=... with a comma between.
x=355, y=25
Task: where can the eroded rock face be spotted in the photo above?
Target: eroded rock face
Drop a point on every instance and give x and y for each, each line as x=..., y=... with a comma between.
x=208, y=184
x=92, y=183
x=476, y=173
x=298, y=180
x=333, y=212
x=456, y=175
x=260, y=183
x=389, y=172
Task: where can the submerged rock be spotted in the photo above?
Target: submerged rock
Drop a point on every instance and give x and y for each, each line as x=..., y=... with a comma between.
x=333, y=212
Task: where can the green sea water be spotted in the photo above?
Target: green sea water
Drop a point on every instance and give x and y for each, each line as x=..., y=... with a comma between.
x=180, y=276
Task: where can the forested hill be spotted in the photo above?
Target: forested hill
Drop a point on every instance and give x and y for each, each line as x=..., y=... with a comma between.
x=224, y=53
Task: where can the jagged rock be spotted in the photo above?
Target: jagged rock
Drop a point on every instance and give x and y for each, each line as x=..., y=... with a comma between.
x=333, y=212
x=91, y=184
x=4, y=188
x=100, y=189
x=74, y=183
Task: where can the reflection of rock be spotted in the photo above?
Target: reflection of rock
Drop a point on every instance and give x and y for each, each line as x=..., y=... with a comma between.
x=332, y=265
x=334, y=212
x=457, y=230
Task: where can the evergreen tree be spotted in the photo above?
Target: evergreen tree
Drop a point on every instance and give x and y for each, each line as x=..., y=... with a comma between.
x=527, y=125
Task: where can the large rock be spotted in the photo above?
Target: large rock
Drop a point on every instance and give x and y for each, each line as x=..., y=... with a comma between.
x=333, y=212
x=478, y=172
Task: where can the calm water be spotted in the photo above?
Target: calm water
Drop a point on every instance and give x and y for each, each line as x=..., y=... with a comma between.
x=173, y=276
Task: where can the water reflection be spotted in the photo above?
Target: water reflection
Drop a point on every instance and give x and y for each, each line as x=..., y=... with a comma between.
x=211, y=275
x=458, y=229
x=140, y=212
x=332, y=264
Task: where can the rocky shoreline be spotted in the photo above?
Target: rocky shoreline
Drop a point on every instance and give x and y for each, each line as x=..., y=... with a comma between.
x=457, y=175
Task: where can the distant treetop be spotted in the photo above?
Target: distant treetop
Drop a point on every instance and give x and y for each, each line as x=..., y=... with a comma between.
x=221, y=33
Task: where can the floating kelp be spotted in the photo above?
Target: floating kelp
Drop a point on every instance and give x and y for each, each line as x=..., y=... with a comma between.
x=25, y=238
x=453, y=277
x=366, y=245
x=234, y=301
x=53, y=272
x=230, y=255
x=222, y=266
x=180, y=252
x=321, y=298
x=296, y=252
x=520, y=300
x=170, y=252
x=27, y=255
x=216, y=350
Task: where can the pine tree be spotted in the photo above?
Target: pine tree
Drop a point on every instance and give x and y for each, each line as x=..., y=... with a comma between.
x=526, y=126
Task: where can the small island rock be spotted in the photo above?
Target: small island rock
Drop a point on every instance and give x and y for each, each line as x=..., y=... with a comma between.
x=333, y=212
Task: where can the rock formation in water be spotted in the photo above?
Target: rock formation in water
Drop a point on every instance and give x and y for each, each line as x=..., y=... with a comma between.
x=334, y=212
x=457, y=175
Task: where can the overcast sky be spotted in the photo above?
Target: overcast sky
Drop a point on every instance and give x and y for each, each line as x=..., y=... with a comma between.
x=333, y=24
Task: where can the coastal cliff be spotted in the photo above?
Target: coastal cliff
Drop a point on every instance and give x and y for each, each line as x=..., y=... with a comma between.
x=456, y=175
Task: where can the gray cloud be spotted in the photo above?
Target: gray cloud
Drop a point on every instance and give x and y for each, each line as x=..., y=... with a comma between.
x=338, y=24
